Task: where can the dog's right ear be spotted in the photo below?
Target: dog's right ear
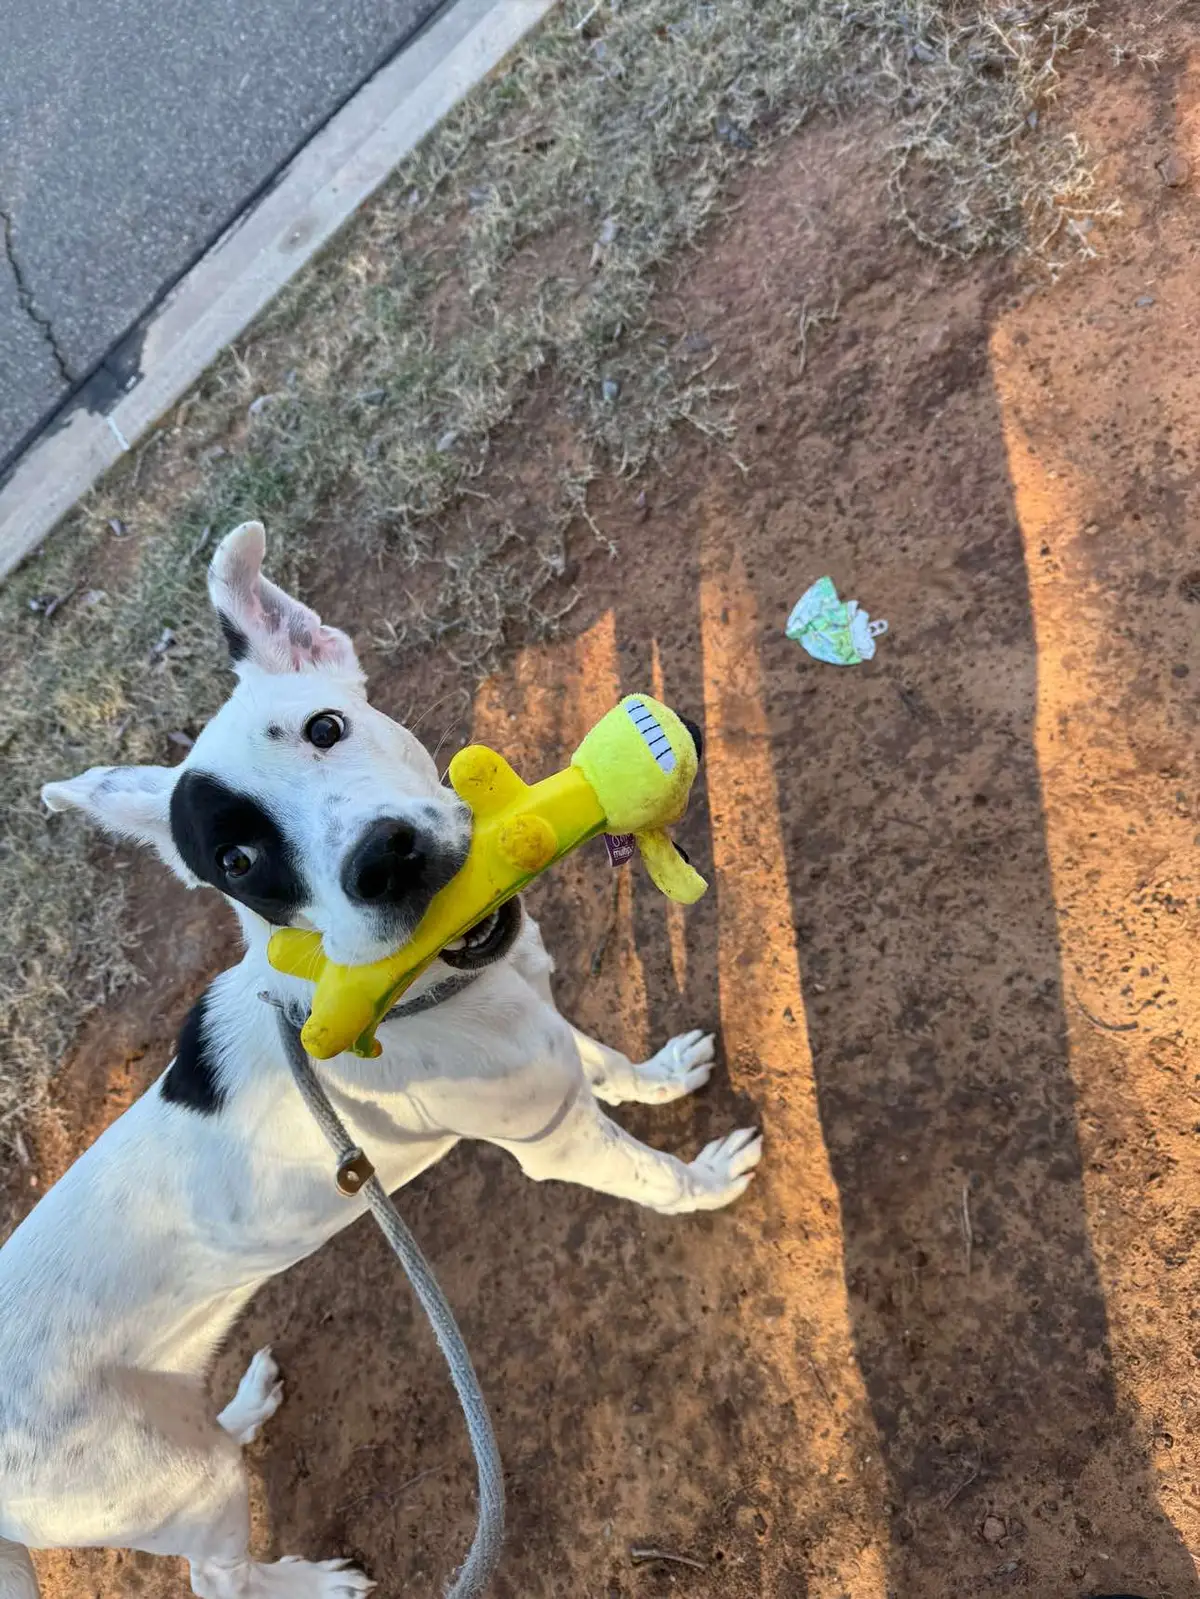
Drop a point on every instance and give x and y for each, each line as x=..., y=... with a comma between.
x=128, y=801
x=264, y=625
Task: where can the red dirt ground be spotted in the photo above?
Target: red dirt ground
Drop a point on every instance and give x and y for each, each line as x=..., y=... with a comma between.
x=946, y=1345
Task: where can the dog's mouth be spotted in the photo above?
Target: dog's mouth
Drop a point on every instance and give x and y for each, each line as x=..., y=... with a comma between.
x=488, y=941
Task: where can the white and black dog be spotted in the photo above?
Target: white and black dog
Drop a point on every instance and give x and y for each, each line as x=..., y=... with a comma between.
x=305, y=807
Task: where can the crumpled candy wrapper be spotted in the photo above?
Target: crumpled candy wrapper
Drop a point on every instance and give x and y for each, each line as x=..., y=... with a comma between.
x=833, y=630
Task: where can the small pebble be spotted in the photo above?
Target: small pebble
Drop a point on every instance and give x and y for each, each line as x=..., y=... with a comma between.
x=1174, y=170
x=611, y=391
x=608, y=230
x=166, y=641
x=729, y=133
x=697, y=344
x=1143, y=301
x=447, y=441
x=993, y=1529
x=117, y=526
x=47, y=604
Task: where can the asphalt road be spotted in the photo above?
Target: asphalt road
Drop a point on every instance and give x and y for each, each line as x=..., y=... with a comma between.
x=132, y=132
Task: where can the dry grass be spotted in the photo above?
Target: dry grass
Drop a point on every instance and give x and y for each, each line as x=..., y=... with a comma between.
x=525, y=237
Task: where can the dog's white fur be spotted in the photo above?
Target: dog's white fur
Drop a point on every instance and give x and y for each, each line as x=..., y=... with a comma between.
x=117, y=1290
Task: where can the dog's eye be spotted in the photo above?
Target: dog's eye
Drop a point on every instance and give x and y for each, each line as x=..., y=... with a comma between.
x=237, y=860
x=325, y=729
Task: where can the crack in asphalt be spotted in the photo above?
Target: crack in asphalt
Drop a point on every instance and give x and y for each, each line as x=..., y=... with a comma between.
x=29, y=305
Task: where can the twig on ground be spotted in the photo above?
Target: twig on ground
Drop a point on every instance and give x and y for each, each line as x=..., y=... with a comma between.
x=807, y=319
x=972, y=1473
x=642, y=1554
x=391, y=1495
x=1109, y=1027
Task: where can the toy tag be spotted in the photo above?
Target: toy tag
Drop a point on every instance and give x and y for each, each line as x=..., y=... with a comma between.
x=621, y=848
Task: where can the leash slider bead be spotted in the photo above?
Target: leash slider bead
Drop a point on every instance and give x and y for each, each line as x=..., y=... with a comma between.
x=354, y=1170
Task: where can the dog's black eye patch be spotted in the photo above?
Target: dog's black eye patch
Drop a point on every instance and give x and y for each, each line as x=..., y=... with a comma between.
x=193, y=1079
x=209, y=819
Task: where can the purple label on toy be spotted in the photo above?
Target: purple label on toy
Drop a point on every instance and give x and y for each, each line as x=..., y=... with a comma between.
x=620, y=847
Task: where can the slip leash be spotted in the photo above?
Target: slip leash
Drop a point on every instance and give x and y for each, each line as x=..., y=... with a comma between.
x=356, y=1175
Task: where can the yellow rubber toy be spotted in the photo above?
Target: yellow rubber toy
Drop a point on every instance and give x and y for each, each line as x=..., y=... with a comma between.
x=631, y=775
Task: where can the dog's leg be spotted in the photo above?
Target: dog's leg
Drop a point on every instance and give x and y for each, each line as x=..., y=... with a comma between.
x=259, y=1396
x=587, y=1148
x=17, y=1577
x=282, y=1579
x=167, y=1479
x=212, y=1532
x=681, y=1066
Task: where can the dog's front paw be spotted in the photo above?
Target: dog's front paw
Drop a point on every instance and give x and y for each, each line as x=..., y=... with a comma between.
x=259, y=1396
x=681, y=1066
x=721, y=1172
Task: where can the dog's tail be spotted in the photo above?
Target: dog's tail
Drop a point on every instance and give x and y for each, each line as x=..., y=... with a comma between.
x=17, y=1577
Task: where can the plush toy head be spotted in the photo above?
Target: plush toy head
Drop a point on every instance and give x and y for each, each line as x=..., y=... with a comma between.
x=641, y=760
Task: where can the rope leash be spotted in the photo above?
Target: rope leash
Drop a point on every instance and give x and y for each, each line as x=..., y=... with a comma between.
x=356, y=1175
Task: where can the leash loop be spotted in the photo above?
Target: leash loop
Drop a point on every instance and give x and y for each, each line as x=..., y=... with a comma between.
x=356, y=1175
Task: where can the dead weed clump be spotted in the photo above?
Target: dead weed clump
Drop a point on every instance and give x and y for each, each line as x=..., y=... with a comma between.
x=524, y=239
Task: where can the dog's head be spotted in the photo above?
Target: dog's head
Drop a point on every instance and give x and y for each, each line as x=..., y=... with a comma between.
x=301, y=803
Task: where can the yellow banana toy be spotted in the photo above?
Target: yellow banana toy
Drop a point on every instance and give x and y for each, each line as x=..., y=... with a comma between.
x=631, y=775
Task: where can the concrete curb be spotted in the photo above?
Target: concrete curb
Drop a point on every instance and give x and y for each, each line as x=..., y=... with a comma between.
x=322, y=187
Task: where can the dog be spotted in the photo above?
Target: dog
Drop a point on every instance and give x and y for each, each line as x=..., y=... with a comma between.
x=305, y=807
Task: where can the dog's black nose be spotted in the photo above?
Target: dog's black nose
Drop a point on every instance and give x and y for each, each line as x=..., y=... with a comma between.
x=386, y=865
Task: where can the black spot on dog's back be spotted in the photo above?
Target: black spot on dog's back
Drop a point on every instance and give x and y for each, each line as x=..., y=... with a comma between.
x=193, y=1077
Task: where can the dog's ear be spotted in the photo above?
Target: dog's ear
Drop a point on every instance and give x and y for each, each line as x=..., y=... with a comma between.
x=262, y=624
x=128, y=801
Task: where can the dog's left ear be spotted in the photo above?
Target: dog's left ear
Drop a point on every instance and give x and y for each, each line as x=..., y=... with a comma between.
x=128, y=801
x=261, y=623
